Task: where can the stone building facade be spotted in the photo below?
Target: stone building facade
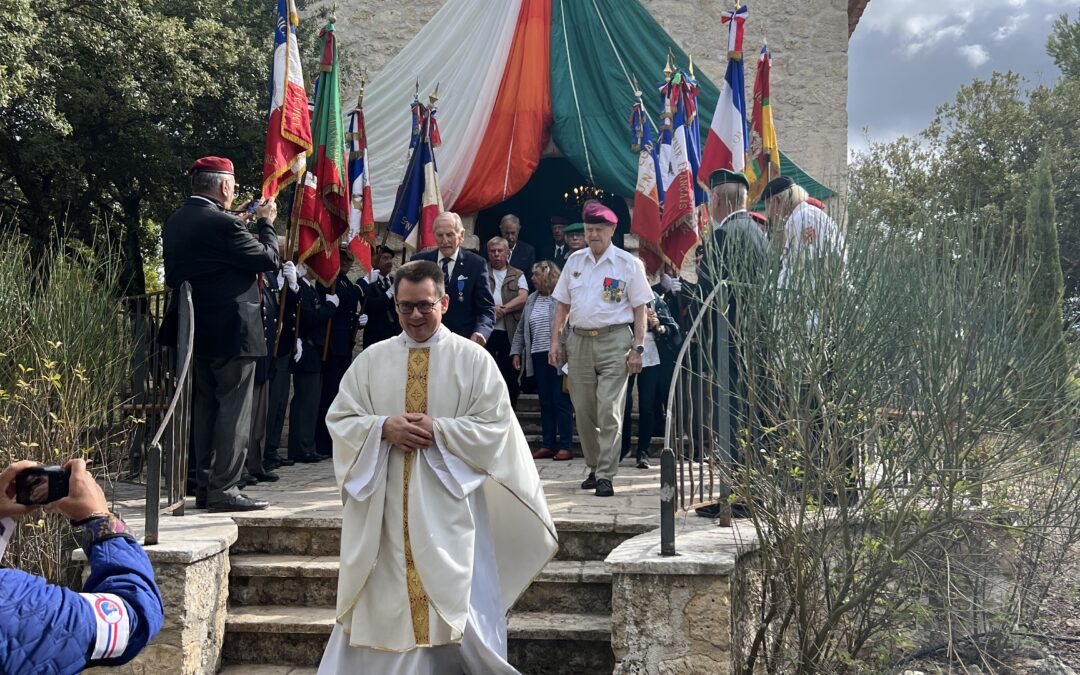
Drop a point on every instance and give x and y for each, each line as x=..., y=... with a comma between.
x=808, y=38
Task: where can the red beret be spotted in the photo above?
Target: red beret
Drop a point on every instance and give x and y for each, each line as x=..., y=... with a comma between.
x=212, y=165
x=595, y=212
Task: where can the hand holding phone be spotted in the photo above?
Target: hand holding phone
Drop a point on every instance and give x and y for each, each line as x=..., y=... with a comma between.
x=40, y=485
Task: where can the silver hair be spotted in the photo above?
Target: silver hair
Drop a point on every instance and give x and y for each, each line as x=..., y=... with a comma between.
x=207, y=182
x=510, y=219
x=731, y=193
x=454, y=218
x=498, y=241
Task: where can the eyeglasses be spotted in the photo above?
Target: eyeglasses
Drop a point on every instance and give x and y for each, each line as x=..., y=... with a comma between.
x=407, y=308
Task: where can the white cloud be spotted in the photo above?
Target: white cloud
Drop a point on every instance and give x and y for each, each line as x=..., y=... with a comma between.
x=976, y=55
x=920, y=25
x=1010, y=27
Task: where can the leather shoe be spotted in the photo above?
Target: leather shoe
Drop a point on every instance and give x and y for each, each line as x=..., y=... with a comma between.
x=249, y=479
x=604, y=489
x=589, y=482
x=643, y=460
x=309, y=458
x=279, y=460
x=267, y=477
x=238, y=503
x=544, y=453
x=563, y=455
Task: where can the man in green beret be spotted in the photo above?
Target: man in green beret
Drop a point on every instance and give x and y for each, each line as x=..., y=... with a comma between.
x=575, y=237
x=735, y=253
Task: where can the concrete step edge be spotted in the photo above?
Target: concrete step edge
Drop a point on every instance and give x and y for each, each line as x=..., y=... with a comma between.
x=280, y=619
x=288, y=566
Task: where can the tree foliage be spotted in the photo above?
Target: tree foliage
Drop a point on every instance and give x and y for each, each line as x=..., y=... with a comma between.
x=980, y=154
x=103, y=105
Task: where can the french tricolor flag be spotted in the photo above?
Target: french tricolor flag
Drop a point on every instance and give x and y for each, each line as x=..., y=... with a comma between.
x=727, y=143
x=288, y=135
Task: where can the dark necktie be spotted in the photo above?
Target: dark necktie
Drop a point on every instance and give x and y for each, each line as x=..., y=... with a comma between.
x=558, y=251
x=446, y=271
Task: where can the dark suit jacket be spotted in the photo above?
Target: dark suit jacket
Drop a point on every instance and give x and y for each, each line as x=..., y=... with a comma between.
x=548, y=253
x=472, y=309
x=343, y=325
x=313, y=313
x=382, y=317
x=213, y=251
x=524, y=258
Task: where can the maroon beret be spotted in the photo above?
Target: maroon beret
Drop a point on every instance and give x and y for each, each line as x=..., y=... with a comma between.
x=595, y=212
x=816, y=202
x=212, y=165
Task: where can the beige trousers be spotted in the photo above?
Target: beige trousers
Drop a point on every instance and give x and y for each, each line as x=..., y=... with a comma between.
x=598, y=390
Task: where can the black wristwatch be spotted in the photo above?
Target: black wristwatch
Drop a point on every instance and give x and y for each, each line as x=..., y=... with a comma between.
x=640, y=349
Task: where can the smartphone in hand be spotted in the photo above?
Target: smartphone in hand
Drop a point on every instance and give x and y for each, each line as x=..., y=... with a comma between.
x=41, y=485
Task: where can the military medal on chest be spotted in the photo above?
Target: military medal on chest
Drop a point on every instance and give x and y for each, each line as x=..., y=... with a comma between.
x=461, y=289
x=614, y=289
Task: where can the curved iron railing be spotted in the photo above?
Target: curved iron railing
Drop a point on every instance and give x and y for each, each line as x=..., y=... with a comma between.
x=177, y=423
x=695, y=465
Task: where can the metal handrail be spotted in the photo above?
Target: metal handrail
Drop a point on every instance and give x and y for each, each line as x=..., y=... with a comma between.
x=669, y=487
x=176, y=470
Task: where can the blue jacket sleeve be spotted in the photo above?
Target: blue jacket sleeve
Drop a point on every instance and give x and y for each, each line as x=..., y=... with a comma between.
x=51, y=629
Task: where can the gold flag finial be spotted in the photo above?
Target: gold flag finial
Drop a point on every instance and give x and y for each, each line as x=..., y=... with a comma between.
x=668, y=70
x=416, y=96
x=691, y=68
x=360, y=97
x=637, y=89
x=434, y=96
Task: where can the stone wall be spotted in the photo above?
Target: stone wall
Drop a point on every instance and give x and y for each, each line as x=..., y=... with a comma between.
x=671, y=624
x=809, y=40
x=191, y=567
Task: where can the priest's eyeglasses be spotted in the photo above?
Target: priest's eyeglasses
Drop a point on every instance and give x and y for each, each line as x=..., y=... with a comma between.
x=407, y=308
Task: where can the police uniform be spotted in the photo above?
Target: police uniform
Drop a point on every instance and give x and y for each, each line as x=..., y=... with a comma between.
x=602, y=295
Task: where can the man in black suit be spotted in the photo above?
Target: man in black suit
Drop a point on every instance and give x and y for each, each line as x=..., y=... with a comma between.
x=521, y=254
x=316, y=307
x=339, y=355
x=558, y=250
x=280, y=378
x=472, y=309
x=378, y=290
x=211, y=249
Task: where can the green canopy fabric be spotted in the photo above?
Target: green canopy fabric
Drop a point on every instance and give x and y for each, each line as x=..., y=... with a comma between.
x=597, y=48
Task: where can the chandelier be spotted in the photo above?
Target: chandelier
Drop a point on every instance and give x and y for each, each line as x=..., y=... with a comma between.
x=576, y=197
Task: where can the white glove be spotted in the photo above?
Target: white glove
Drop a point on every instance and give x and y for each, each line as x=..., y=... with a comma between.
x=288, y=270
x=373, y=276
x=361, y=320
x=299, y=350
x=670, y=283
x=332, y=299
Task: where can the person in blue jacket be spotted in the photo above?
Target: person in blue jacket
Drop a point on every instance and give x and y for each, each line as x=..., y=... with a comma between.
x=51, y=629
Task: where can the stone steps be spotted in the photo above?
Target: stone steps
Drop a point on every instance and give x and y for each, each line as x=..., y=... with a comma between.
x=563, y=586
x=579, y=539
x=297, y=635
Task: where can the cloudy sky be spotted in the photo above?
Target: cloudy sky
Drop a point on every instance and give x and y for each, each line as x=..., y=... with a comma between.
x=909, y=56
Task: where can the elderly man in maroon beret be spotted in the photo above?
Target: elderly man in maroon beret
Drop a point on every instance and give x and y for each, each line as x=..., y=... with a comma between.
x=603, y=292
x=210, y=247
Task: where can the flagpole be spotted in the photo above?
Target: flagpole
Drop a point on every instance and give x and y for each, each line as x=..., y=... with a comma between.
x=290, y=246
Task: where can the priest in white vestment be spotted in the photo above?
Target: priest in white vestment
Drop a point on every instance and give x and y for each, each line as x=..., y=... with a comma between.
x=445, y=522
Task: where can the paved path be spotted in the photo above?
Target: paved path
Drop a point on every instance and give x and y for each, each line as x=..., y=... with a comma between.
x=309, y=491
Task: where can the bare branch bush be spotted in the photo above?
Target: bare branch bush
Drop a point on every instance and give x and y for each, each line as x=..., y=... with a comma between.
x=904, y=454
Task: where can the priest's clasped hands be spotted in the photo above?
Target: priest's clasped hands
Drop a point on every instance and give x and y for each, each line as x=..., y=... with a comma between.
x=410, y=432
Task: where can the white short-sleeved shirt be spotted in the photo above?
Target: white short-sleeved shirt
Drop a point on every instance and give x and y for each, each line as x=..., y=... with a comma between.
x=605, y=292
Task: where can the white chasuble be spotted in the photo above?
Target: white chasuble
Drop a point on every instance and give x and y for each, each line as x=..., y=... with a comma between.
x=436, y=545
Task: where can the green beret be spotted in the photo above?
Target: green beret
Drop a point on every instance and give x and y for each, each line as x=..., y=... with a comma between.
x=776, y=186
x=574, y=227
x=722, y=176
